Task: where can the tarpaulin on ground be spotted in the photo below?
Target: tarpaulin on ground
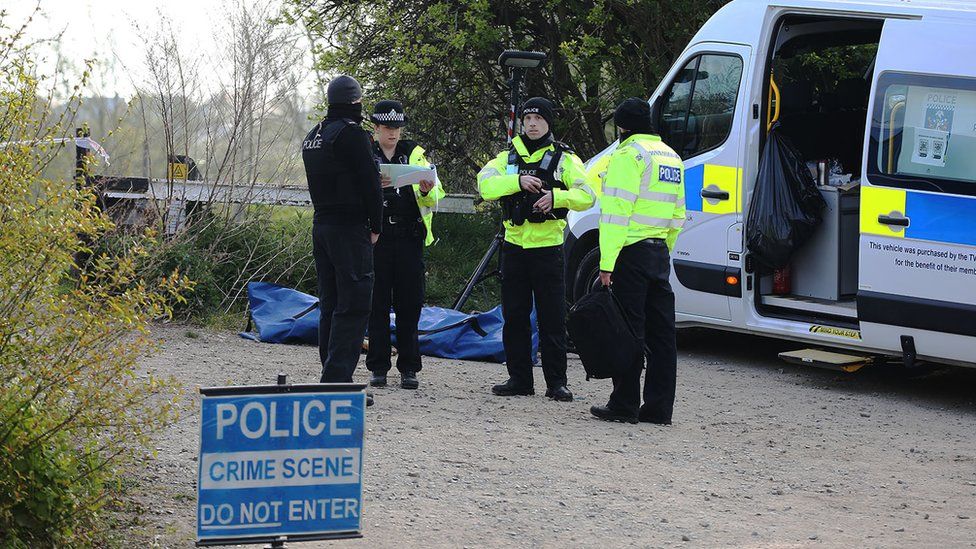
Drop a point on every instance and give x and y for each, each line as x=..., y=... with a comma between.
x=284, y=315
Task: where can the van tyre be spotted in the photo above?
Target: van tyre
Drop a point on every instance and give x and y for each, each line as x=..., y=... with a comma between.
x=587, y=275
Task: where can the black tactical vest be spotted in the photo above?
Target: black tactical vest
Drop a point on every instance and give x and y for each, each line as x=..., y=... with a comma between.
x=518, y=208
x=331, y=183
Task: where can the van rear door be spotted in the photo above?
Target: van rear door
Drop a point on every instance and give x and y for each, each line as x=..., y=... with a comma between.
x=917, y=270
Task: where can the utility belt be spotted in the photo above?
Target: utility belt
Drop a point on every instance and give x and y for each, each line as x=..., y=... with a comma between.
x=650, y=244
x=404, y=225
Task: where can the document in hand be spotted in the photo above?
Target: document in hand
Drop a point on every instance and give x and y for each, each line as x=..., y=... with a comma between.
x=405, y=174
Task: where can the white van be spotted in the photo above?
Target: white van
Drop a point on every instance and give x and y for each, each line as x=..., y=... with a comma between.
x=883, y=93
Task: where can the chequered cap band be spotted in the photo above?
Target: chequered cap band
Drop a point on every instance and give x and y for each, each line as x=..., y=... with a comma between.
x=391, y=116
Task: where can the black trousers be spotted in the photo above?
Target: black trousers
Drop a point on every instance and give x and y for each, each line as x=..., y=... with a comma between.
x=398, y=260
x=538, y=273
x=344, y=265
x=640, y=281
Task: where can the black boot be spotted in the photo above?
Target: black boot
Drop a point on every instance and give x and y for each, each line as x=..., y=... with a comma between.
x=378, y=379
x=561, y=393
x=408, y=380
x=608, y=414
x=509, y=388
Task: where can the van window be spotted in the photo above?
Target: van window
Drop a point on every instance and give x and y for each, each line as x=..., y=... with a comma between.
x=923, y=134
x=699, y=104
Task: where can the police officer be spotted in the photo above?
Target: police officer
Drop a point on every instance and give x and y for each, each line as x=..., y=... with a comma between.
x=344, y=185
x=642, y=211
x=398, y=257
x=538, y=180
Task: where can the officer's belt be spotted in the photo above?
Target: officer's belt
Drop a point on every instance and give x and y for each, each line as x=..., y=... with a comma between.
x=400, y=219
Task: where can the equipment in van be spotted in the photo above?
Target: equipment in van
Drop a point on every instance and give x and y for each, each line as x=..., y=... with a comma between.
x=518, y=62
x=786, y=204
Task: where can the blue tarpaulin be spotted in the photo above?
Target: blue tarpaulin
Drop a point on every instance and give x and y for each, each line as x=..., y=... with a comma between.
x=284, y=315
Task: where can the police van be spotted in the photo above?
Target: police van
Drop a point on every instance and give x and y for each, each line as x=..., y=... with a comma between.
x=879, y=99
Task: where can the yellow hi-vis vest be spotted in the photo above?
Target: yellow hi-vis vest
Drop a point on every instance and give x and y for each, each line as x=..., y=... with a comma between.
x=494, y=182
x=426, y=203
x=643, y=196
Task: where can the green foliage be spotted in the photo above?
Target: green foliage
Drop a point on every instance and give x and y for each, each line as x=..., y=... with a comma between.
x=222, y=253
x=462, y=240
x=273, y=244
x=48, y=506
x=71, y=403
x=824, y=68
x=439, y=58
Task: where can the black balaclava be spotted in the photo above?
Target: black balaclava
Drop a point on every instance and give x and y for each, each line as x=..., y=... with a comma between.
x=544, y=108
x=634, y=116
x=342, y=92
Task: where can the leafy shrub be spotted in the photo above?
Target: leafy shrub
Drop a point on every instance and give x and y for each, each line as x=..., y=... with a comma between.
x=72, y=405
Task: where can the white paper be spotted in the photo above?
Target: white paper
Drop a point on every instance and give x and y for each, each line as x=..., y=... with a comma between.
x=403, y=175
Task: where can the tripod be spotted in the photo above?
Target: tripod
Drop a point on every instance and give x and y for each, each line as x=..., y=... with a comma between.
x=519, y=61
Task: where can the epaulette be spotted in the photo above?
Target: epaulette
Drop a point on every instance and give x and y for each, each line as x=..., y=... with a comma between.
x=562, y=147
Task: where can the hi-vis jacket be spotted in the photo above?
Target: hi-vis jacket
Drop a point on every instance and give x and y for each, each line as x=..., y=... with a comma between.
x=598, y=174
x=643, y=196
x=426, y=203
x=494, y=182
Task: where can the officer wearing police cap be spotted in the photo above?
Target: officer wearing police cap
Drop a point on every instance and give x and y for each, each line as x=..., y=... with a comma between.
x=398, y=256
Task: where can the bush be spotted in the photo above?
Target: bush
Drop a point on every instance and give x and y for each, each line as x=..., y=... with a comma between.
x=222, y=253
x=71, y=403
x=274, y=244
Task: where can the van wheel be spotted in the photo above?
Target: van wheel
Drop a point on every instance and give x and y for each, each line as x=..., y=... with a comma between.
x=587, y=277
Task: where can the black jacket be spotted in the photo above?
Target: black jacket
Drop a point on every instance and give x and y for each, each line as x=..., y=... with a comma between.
x=343, y=179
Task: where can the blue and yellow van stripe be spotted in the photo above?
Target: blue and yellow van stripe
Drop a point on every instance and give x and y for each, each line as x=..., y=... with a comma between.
x=933, y=217
x=726, y=178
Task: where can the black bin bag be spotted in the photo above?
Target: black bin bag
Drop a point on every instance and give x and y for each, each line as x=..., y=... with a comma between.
x=603, y=338
x=786, y=205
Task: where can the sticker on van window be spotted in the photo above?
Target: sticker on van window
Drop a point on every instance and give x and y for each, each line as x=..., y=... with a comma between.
x=930, y=147
x=932, y=138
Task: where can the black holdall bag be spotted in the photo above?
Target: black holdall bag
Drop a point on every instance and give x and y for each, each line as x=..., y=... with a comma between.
x=604, y=339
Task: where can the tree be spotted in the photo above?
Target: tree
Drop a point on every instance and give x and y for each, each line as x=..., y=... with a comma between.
x=439, y=58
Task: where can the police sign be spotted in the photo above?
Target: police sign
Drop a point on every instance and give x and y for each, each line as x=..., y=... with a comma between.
x=280, y=462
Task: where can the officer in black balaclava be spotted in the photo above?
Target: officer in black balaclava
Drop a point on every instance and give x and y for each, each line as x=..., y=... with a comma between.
x=344, y=184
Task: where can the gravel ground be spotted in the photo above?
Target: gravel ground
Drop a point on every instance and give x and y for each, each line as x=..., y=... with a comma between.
x=762, y=454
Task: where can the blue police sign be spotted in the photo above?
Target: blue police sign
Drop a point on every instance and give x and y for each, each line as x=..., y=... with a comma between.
x=280, y=466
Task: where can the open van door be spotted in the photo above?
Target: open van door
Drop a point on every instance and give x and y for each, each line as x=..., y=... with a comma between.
x=917, y=264
x=702, y=116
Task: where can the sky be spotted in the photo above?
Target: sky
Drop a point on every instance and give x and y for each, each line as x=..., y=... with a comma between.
x=112, y=31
